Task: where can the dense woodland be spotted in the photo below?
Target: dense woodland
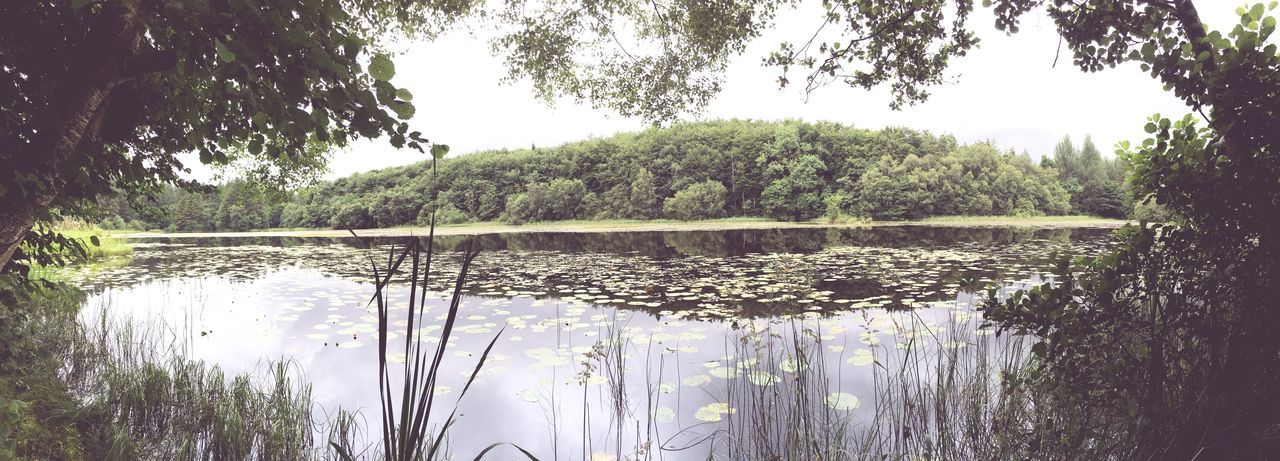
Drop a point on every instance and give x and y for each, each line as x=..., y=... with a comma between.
x=782, y=170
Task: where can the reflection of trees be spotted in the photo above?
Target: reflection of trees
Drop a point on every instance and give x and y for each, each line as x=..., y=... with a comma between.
x=801, y=241
x=712, y=244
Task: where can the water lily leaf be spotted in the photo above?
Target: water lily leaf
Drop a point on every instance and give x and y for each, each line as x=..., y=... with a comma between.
x=842, y=401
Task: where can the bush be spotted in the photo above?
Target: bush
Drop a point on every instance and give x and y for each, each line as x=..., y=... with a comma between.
x=113, y=222
x=704, y=200
x=798, y=195
x=556, y=200
x=352, y=215
x=1152, y=212
x=1106, y=199
x=446, y=213
x=837, y=209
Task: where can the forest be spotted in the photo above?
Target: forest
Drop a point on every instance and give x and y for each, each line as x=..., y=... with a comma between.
x=786, y=170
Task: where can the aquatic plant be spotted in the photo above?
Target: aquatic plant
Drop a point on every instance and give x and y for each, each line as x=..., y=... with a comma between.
x=408, y=432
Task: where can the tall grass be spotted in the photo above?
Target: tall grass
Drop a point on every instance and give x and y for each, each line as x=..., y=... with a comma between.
x=98, y=243
x=946, y=391
x=408, y=431
x=74, y=242
x=938, y=399
x=779, y=400
x=116, y=391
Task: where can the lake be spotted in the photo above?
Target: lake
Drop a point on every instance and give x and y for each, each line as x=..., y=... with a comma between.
x=612, y=345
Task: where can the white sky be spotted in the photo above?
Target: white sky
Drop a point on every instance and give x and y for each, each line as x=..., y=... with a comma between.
x=1007, y=91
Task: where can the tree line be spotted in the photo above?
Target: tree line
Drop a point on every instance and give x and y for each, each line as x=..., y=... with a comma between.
x=788, y=170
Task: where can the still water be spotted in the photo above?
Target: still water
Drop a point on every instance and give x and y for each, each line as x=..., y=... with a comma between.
x=612, y=345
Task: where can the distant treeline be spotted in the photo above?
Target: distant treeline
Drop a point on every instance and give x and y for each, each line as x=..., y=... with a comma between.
x=784, y=170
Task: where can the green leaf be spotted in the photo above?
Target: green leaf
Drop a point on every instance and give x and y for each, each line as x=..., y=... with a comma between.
x=489, y=448
x=94, y=239
x=438, y=151
x=405, y=95
x=403, y=110
x=206, y=157
x=255, y=147
x=381, y=67
x=260, y=119
x=78, y=4
x=320, y=118
x=224, y=54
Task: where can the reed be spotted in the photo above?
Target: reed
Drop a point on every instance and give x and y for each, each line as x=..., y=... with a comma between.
x=408, y=430
x=778, y=402
x=128, y=396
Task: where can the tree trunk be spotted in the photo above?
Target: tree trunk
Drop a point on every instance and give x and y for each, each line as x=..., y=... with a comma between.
x=107, y=54
x=13, y=227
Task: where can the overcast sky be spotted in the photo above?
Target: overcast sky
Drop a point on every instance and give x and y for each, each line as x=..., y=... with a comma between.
x=1007, y=91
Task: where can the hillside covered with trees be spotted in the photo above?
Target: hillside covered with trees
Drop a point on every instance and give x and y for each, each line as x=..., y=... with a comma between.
x=783, y=170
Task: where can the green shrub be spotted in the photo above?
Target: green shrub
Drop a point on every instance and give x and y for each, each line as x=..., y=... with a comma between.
x=556, y=200
x=798, y=195
x=445, y=214
x=352, y=215
x=704, y=200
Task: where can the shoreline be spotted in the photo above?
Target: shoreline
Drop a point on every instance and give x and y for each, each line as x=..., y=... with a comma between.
x=649, y=226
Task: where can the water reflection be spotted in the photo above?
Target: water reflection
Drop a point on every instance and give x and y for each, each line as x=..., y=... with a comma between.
x=683, y=325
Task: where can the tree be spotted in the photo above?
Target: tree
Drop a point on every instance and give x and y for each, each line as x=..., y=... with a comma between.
x=1170, y=340
x=642, y=202
x=704, y=200
x=798, y=195
x=352, y=215
x=104, y=95
x=559, y=199
x=242, y=206
x=191, y=214
x=1109, y=200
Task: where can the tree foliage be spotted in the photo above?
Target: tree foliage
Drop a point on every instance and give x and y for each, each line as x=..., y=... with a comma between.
x=1096, y=183
x=698, y=201
x=1170, y=341
x=104, y=96
x=778, y=169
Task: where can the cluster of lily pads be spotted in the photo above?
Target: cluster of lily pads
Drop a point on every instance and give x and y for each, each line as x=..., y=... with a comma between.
x=738, y=286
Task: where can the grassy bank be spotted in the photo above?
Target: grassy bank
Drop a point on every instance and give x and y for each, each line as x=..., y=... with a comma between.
x=104, y=391
x=739, y=223
x=108, y=245
x=79, y=243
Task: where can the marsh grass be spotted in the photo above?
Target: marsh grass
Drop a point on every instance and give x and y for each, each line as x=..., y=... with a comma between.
x=154, y=403
x=107, y=244
x=126, y=391
x=81, y=244
x=408, y=431
x=948, y=389
x=937, y=399
x=778, y=403
x=1019, y=220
